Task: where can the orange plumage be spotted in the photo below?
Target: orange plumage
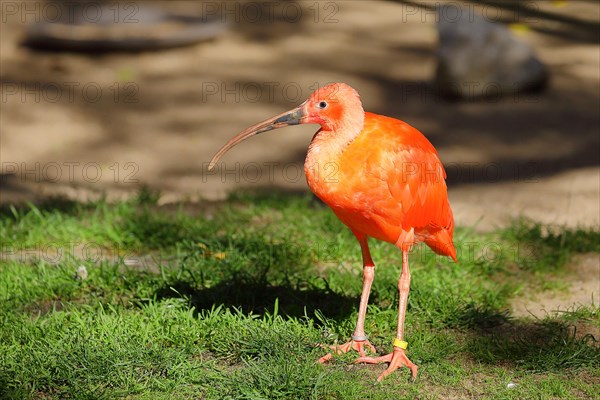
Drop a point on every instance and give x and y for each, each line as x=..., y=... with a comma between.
x=383, y=179
x=388, y=183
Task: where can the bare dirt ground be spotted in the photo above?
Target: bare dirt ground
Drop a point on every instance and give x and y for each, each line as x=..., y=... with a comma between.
x=580, y=286
x=159, y=116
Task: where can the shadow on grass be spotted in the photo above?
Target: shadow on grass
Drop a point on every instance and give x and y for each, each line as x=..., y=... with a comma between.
x=51, y=204
x=251, y=272
x=260, y=298
x=482, y=319
x=550, y=344
x=536, y=346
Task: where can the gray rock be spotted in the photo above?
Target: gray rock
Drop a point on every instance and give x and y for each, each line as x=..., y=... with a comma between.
x=478, y=58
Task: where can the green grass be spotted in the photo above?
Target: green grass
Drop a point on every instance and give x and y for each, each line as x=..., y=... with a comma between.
x=231, y=302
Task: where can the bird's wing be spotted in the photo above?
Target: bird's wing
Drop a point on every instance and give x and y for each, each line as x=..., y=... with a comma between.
x=400, y=177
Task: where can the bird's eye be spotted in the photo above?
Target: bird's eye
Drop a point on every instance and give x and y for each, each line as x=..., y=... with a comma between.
x=323, y=104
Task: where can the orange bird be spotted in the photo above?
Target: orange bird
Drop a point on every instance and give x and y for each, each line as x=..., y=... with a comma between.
x=383, y=179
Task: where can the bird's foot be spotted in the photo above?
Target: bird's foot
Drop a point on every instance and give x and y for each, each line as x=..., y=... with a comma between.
x=359, y=346
x=397, y=359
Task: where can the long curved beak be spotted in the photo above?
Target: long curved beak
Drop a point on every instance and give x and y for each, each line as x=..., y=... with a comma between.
x=293, y=117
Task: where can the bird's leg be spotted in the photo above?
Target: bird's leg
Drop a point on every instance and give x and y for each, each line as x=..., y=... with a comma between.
x=359, y=339
x=397, y=358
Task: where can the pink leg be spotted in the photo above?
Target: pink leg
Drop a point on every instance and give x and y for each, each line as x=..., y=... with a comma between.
x=398, y=358
x=359, y=338
x=403, y=289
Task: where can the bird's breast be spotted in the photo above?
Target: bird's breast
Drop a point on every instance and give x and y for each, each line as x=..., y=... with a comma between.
x=351, y=193
x=322, y=166
x=323, y=177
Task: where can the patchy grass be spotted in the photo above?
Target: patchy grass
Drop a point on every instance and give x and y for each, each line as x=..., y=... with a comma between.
x=550, y=247
x=232, y=304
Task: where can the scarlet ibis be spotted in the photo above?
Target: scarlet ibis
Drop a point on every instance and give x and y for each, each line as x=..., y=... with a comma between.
x=383, y=179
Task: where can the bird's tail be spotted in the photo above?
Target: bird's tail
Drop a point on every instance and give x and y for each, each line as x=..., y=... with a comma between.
x=441, y=241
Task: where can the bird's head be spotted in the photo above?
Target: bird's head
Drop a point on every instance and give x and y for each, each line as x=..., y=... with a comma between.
x=333, y=106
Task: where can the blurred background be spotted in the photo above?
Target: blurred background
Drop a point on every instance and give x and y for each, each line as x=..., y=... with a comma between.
x=102, y=98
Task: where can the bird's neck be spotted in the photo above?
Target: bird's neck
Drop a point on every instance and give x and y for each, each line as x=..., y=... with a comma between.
x=322, y=166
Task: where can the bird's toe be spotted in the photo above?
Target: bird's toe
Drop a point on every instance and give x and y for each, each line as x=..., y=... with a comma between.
x=396, y=360
x=358, y=346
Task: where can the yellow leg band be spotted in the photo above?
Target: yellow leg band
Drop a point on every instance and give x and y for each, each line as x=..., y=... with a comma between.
x=400, y=343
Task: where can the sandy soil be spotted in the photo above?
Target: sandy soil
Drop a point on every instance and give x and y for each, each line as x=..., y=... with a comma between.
x=581, y=287
x=159, y=116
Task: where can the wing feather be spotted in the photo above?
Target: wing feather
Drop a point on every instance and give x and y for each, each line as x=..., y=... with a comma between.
x=399, y=184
